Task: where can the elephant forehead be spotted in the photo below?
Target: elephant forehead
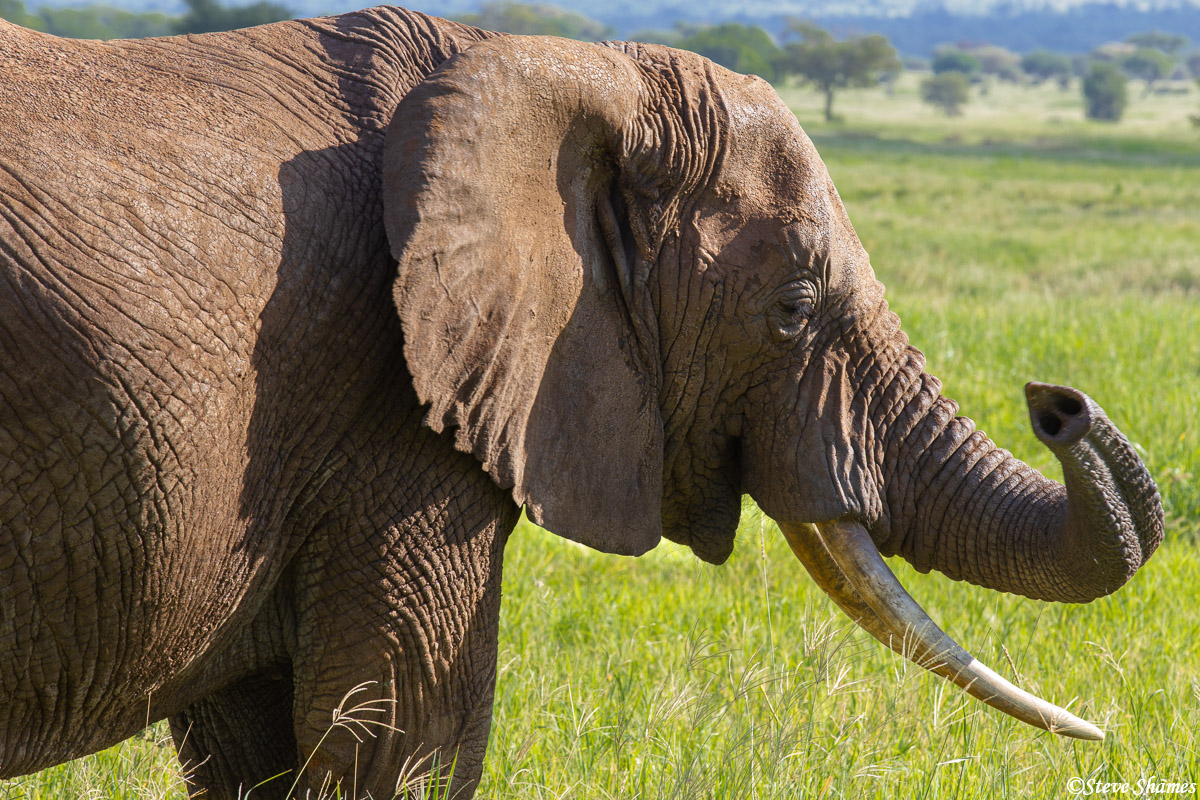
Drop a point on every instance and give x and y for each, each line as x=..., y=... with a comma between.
x=770, y=159
x=782, y=193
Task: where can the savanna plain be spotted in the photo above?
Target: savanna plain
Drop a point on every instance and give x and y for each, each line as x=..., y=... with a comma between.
x=1018, y=242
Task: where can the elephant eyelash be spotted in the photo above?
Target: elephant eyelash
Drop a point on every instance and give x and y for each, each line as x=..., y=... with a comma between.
x=797, y=299
x=798, y=306
x=791, y=310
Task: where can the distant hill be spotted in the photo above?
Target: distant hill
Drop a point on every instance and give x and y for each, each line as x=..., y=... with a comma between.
x=1077, y=30
x=914, y=26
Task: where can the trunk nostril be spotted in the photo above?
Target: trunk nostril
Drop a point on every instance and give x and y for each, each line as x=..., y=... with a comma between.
x=1049, y=423
x=1067, y=405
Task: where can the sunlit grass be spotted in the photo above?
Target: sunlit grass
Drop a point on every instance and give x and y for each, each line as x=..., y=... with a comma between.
x=142, y=768
x=1018, y=243
x=664, y=677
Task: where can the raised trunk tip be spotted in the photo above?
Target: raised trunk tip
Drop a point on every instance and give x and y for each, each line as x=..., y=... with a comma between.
x=1059, y=414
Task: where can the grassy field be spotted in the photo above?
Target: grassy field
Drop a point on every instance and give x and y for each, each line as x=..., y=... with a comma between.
x=1018, y=242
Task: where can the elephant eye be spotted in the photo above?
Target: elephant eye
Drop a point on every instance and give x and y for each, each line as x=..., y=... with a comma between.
x=791, y=310
x=796, y=307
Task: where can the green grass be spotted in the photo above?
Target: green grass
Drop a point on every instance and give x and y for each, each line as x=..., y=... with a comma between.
x=142, y=768
x=1018, y=242
x=666, y=678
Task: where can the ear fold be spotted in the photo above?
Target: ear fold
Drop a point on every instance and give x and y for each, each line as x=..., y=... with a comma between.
x=516, y=273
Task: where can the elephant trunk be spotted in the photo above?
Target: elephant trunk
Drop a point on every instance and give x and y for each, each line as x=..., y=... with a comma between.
x=973, y=512
x=987, y=518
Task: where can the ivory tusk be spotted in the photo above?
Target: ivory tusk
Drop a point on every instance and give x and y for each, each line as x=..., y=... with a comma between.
x=845, y=563
x=805, y=541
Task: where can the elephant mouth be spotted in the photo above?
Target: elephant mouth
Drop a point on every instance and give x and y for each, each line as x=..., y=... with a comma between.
x=843, y=560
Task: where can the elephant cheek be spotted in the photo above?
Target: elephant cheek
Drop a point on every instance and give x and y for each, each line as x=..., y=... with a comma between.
x=818, y=473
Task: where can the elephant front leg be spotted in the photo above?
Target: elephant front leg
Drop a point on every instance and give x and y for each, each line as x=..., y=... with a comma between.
x=396, y=654
x=239, y=739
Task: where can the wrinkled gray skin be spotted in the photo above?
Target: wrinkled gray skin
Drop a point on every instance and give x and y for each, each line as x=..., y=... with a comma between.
x=235, y=483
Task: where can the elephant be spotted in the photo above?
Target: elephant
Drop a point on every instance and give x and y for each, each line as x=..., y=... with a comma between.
x=297, y=319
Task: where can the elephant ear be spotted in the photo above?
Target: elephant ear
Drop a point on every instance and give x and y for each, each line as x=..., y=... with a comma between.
x=518, y=280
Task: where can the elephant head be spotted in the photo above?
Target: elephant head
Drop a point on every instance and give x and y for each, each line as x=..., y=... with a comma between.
x=629, y=286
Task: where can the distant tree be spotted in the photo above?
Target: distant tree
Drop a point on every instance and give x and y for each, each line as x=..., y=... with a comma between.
x=948, y=91
x=1192, y=61
x=537, y=20
x=205, y=16
x=105, y=22
x=1147, y=64
x=951, y=59
x=89, y=22
x=14, y=11
x=1113, y=51
x=1169, y=43
x=1104, y=94
x=1045, y=65
x=741, y=48
x=830, y=65
x=999, y=62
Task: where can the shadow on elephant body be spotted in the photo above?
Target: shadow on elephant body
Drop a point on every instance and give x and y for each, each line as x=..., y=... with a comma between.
x=378, y=545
